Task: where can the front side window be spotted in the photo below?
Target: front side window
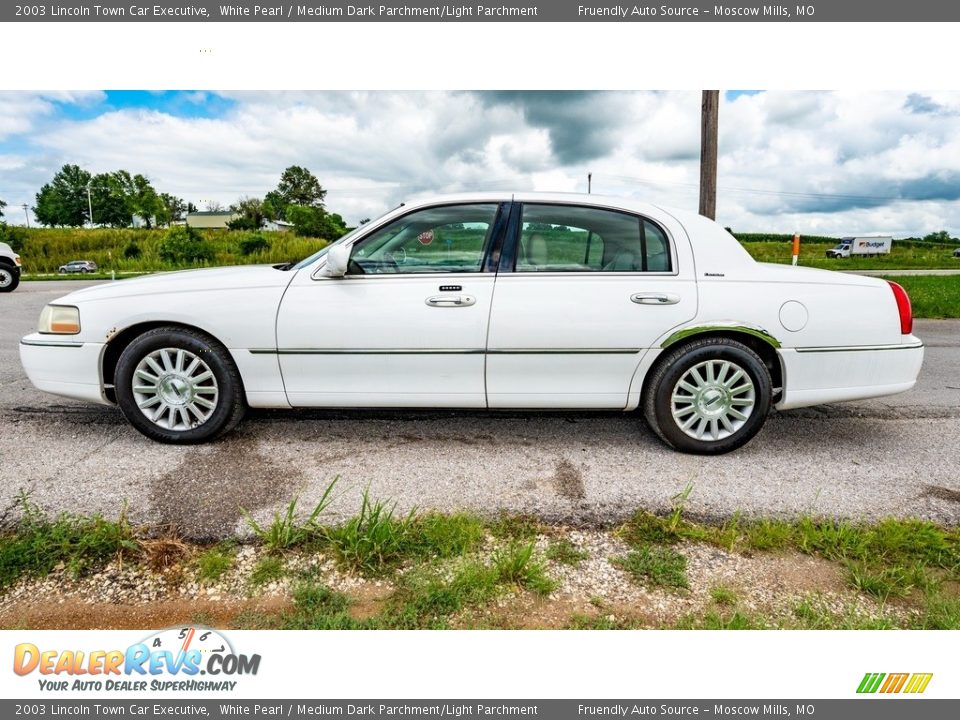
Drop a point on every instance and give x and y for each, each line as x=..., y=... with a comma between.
x=446, y=239
x=560, y=238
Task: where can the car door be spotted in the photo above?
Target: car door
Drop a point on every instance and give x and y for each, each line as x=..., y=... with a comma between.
x=407, y=325
x=582, y=292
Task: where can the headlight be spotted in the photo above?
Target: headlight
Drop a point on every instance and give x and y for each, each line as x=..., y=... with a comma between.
x=16, y=259
x=60, y=320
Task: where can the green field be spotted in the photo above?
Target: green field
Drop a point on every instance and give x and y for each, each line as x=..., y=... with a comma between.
x=903, y=256
x=932, y=296
x=123, y=251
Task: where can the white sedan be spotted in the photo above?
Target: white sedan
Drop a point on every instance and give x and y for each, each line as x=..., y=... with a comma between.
x=527, y=300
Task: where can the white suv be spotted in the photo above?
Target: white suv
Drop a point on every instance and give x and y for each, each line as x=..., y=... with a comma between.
x=9, y=269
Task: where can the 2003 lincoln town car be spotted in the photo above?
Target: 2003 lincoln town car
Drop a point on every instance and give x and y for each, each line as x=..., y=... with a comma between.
x=527, y=300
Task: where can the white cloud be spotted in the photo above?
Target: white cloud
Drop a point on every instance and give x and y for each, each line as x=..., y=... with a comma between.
x=818, y=162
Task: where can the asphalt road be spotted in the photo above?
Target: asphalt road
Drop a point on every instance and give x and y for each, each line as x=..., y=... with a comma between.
x=895, y=456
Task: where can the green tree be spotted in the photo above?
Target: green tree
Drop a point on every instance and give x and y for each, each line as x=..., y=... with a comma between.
x=183, y=245
x=2, y=206
x=142, y=198
x=315, y=222
x=111, y=206
x=298, y=186
x=250, y=212
x=63, y=201
x=174, y=209
x=941, y=236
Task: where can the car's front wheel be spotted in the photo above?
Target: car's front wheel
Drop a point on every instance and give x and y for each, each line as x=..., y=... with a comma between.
x=9, y=279
x=177, y=385
x=710, y=396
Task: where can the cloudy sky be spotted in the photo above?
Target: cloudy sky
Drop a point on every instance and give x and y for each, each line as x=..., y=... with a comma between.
x=816, y=162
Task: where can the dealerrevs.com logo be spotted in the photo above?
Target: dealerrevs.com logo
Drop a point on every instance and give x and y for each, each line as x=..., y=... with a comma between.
x=885, y=683
x=181, y=659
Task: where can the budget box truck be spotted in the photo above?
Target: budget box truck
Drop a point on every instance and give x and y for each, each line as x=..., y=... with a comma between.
x=875, y=245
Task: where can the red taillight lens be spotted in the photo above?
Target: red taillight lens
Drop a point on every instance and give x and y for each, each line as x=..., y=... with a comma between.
x=903, y=307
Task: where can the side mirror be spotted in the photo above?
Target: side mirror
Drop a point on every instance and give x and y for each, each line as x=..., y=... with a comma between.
x=338, y=257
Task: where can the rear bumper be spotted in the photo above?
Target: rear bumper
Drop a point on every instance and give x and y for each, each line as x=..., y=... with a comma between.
x=64, y=367
x=813, y=376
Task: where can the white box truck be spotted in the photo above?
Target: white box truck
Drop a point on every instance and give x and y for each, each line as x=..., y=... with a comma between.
x=875, y=245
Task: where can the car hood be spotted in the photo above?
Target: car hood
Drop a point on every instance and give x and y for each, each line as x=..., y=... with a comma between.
x=223, y=278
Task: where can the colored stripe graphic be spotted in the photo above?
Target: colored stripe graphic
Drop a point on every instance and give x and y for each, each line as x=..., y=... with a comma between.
x=918, y=683
x=870, y=682
x=894, y=683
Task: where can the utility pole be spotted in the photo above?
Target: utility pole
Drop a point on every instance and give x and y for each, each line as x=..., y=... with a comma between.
x=90, y=204
x=26, y=212
x=709, y=111
x=589, y=182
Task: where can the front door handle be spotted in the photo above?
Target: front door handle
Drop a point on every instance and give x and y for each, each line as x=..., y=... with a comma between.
x=451, y=300
x=655, y=298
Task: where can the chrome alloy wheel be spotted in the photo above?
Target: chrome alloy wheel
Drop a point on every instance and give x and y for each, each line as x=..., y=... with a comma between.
x=175, y=389
x=712, y=400
x=6, y=277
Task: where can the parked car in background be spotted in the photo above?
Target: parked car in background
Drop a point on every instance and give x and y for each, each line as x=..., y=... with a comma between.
x=493, y=300
x=10, y=268
x=78, y=266
x=879, y=245
x=956, y=253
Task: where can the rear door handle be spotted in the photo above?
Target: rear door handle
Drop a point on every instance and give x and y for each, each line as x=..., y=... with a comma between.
x=451, y=300
x=655, y=298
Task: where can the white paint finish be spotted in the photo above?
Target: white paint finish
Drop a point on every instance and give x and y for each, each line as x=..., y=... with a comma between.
x=262, y=383
x=588, y=314
x=386, y=314
x=560, y=380
x=793, y=316
x=834, y=376
x=68, y=371
x=442, y=360
x=236, y=305
x=840, y=312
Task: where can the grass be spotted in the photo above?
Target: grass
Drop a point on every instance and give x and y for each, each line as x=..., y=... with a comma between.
x=447, y=570
x=932, y=296
x=267, y=570
x=723, y=595
x=285, y=531
x=515, y=564
x=45, y=249
x=903, y=256
x=215, y=562
x=40, y=543
x=656, y=566
x=374, y=539
x=564, y=552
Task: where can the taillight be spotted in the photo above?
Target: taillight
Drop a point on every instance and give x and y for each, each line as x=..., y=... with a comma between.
x=903, y=307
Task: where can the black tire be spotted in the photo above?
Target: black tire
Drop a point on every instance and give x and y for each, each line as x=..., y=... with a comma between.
x=9, y=278
x=675, y=365
x=229, y=404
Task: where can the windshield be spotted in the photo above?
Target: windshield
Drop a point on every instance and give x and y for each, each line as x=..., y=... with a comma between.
x=320, y=253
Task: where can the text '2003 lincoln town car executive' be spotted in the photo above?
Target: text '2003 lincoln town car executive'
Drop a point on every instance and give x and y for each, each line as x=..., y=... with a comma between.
x=539, y=301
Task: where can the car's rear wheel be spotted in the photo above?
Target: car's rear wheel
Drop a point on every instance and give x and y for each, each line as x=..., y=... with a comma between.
x=177, y=385
x=9, y=279
x=709, y=397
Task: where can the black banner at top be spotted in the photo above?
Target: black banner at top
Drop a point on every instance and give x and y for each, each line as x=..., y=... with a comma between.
x=489, y=11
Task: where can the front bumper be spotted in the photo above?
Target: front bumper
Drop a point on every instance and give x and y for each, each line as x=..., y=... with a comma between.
x=62, y=366
x=813, y=376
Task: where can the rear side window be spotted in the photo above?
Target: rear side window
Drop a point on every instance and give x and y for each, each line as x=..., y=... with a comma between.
x=565, y=238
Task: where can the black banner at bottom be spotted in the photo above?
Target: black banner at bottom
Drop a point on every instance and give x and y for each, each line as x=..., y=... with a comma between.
x=872, y=707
